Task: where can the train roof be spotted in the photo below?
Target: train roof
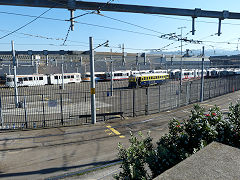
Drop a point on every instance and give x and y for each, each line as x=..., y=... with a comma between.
x=149, y=74
x=26, y=75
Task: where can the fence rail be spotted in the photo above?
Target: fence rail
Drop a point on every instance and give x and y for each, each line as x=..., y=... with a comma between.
x=49, y=106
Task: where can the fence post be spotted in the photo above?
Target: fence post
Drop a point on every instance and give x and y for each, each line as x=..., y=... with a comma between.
x=187, y=93
x=147, y=105
x=180, y=89
x=170, y=97
x=25, y=111
x=159, y=98
x=133, y=102
x=190, y=90
x=44, y=123
x=61, y=104
x=219, y=87
x=229, y=85
x=215, y=88
x=209, y=95
x=120, y=102
x=1, y=116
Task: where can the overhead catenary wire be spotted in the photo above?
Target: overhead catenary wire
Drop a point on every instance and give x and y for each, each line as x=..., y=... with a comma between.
x=116, y=28
x=95, y=25
x=26, y=24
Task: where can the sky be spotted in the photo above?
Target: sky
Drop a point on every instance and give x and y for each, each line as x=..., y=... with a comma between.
x=49, y=34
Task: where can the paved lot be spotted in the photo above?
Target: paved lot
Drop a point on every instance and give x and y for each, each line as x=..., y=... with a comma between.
x=40, y=154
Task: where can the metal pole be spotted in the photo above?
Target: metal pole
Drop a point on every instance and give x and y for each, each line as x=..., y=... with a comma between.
x=61, y=106
x=123, y=55
x=147, y=105
x=13, y=54
x=202, y=77
x=80, y=61
x=137, y=59
x=36, y=63
x=32, y=60
x=93, y=105
x=9, y=69
x=159, y=98
x=15, y=73
x=111, y=74
x=1, y=116
x=47, y=59
x=144, y=58
x=62, y=77
x=44, y=122
x=25, y=111
x=15, y=88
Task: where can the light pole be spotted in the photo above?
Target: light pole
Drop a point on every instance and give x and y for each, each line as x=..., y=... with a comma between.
x=111, y=73
x=92, y=74
x=15, y=78
x=181, y=58
x=202, y=77
x=213, y=48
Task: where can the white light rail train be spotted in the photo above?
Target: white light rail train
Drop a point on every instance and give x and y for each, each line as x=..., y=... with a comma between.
x=42, y=79
x=187, y=74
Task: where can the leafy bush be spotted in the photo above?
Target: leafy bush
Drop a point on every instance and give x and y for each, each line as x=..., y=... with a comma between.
x=134, y=158
x=184, y=138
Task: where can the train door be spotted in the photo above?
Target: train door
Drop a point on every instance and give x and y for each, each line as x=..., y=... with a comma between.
x=49, y=79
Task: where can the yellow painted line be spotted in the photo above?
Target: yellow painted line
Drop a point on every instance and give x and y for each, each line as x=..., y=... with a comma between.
x=112, y=130
x=115, y=131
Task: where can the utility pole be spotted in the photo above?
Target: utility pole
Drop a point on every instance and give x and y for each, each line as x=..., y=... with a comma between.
x=93, y=105
x=62, y=77
x=137, y=55
x=15, y=74
x=123, y=56
x=181, y=59
x=111, y=73
x=144, y=59
x=202, y=77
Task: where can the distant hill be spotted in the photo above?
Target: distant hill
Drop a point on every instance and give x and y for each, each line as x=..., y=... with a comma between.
x=208, y=52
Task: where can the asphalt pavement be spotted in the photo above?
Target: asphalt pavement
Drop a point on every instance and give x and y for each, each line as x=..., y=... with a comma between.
x=57, y=152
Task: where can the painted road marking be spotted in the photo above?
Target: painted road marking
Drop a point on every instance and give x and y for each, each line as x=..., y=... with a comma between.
x=111, y=130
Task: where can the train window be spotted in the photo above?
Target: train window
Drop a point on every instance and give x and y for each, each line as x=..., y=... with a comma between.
x=25, y=79
x=65, y=77
x=55, y=77
x=40, y=78
x=30, y=78
x=77, y=76
x=20, y=79
x=9, y=79
x=72, y=76
x=68, y=77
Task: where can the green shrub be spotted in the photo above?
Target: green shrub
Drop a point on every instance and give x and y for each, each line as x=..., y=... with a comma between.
x=184, y=138
x=134, y=158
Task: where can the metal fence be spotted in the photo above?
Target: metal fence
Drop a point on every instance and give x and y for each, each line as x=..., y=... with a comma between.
x=50, y=106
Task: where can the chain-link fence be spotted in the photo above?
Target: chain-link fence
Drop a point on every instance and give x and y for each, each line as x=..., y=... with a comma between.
x=51, y=106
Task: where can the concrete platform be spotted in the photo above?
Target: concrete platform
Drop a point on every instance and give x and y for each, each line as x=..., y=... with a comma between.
x=215, y=161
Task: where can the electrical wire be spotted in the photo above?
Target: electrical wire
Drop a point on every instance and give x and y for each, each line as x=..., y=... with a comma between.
x=26, y=24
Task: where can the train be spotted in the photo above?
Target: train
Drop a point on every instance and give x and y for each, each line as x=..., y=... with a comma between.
x=187, y=74
x=147, y=79
x=42, y=79
x=99, y=76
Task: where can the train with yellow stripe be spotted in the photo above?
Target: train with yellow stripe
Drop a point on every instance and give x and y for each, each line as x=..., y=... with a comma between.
x=147, y=79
